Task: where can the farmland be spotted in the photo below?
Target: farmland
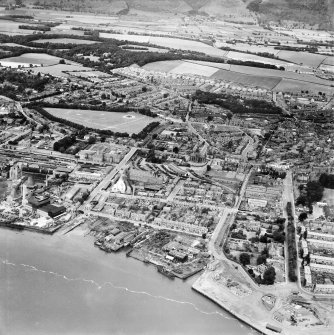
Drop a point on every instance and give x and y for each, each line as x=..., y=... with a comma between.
x=328, y=61
x=58, y=70
x=118, y=122
x=238, y=74
x=303, y=58
x=295, y=86
x=65, y=41
x=246, y=79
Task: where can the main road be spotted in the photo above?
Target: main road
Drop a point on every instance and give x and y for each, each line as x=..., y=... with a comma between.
x=107, y=179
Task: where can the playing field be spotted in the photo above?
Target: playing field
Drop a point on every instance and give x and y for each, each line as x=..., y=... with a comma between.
x=118, y=122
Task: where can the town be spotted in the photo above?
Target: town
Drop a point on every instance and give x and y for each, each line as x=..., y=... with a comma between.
x=199, y=162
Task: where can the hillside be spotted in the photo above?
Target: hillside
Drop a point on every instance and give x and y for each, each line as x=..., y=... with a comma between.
x=319, y=12
x=314, y=12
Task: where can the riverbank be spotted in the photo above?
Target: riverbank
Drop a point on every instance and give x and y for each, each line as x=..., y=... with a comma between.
x=291, y=314
x=62, y=284
x=208, y=292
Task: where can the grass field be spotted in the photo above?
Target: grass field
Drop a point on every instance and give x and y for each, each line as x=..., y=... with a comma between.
x=163, y=66
x=166, y=42
x=39, y=59
x=295, y=86
x=303, y=58
x=195, y=69
x=59, y=69
x=118, y=122
x=329, y=68
x=245, y=75
x=65, y=41
x=328, y=61
x=247, y=80
x=249, y=57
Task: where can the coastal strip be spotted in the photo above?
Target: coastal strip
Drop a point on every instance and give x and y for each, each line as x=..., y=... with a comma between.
x=199, y=288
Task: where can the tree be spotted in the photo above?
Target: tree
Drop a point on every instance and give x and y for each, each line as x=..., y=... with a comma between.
x=262, y=259
x=244, y=259
x=176, y=150
x=279, y=236
x=208, y=168
x=314, y=191
x=62, y=61
x=269, y=276
x=302, y=217
x=229, y=116
x=305, y=234
x=91, y=140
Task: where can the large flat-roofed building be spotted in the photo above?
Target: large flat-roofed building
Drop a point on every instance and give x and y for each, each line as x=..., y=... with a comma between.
x=37, y=201
x=51, y=210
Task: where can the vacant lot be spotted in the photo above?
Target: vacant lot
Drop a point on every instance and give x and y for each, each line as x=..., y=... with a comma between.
x=65, y=41
x=118, y=122
x=328, y=196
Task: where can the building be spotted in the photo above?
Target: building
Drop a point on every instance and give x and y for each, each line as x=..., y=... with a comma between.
x=51, y=210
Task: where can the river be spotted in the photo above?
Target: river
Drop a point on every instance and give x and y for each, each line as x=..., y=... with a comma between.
x=64, y=285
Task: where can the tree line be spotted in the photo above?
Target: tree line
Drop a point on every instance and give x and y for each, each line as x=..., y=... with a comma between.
x=235, y=105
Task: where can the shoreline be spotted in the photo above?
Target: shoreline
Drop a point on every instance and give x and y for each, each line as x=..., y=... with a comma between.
x=231, y=311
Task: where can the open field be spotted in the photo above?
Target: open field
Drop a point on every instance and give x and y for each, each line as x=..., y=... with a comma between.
x=195, y=69
x=302, y=58
x=254, y=58
x=328, y=61
x=36, y=59
x=329, y=68
x=244, y=75
x=59, y=70
x=65, y=41
x=246, y=79
x=16, y=45
x=295, y=86
x=166, y=42
x=248, y=47
x=12, y=28
x=118, y=122
x=163, y=66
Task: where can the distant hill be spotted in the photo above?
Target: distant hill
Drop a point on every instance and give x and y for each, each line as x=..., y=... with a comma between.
x=314, y=12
